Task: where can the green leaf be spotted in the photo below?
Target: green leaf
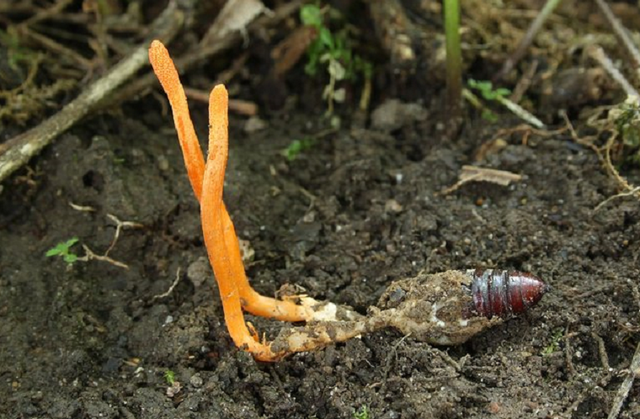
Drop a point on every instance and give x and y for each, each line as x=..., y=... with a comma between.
x=362, y=413
x=311, y=68
x=480, y=85
x=366, y=68
x=486, y=89
x=61, y=248
x=488, y=115
x=170, y=377
x=70, y=258
x=325, y=37
x=53, y=252
x=296, y=147
x=310, y=15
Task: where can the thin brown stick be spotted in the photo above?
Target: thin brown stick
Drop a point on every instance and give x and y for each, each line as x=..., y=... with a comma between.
x=45, y=14
x=57, y=48
x=17, y=151
x=524, y=44
x=242, y=107
x=620, y=31
x=625, y=387
x=120, y=225
x=91, y=255
x=171, y=288
x=598, y=54
x=393, y=28
x=620, y=195
x=203, y=52
x=524, y=83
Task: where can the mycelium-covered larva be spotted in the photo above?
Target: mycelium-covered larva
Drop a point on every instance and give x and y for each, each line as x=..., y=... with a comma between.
x=445, y=308
x=450, y=307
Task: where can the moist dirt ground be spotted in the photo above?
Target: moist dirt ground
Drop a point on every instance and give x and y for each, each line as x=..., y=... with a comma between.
x=360, y=208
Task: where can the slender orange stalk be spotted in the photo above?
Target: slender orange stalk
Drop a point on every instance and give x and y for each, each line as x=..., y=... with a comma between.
x=168, y=75
x=207, y=181
x=213, y=227
x=251, y=301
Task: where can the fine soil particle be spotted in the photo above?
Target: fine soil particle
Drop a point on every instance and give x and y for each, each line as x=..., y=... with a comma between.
x=343, y=220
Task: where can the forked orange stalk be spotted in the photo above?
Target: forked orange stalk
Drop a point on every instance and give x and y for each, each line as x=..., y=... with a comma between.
x=217, y=235
x=207, y=180
x=166, y=72
x=207, y=183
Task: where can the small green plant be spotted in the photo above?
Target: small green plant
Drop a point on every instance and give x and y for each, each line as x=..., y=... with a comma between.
x=554, y=346
x=63, y=250
x=362, y=413
x=296, y=147
x=499, y=95
x=626, y=118
x=453, y=63
x=332, y=52
x=170, y=377
x=16, y=53
x=487, y=91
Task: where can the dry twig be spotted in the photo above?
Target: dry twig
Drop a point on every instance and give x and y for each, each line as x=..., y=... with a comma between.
x=19, y=150
x=91, y=255
x=120, y=225
x=625, y=387
x=205, y=51
x=235, y=16
x=242, y=107
x=544, y=14
x=633, y=372
x=481, y=174
x=598, y=54
x=604, y=155
x=55, y=9
x=171, y=288
x=56, y=48
x=620, y=195
x=620, y=31
x=393, y=28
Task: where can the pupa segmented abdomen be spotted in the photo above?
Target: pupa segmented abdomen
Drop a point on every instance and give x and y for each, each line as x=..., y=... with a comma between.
x=448, y=308
x=502, y=293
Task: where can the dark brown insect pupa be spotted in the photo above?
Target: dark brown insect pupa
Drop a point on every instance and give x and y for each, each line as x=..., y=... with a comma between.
x=448, y=308
x=501, y=293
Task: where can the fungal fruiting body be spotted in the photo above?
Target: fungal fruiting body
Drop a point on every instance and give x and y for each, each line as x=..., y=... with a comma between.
x=445, y=308
x=500, y=293
x=207, y=179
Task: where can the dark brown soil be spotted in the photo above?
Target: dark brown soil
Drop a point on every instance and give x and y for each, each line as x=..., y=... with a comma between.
x=348, y=216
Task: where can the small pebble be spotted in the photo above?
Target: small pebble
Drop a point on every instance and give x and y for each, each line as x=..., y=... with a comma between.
x=174, y=389
x=246, y=250
x=254, y=124
x=163, y=163
x=196, y=381
x=393, y=114
x=392, y=206
x=199, y=271
x=493, y=408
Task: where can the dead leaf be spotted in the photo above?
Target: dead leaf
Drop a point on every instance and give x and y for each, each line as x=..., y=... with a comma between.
x=481, y=174
x=234, y=16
